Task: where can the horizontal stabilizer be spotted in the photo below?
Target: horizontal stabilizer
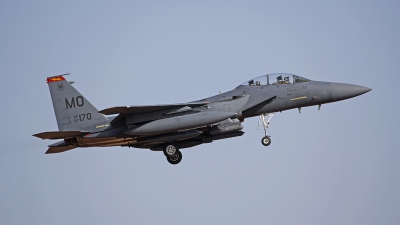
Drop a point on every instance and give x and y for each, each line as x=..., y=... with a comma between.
x=129, y=110
x=60, y=134
x=52, y=150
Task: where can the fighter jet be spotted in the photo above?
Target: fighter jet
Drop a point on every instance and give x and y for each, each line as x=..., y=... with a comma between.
x=170, y=128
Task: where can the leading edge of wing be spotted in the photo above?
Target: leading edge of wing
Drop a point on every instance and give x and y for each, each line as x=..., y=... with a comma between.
x=129, y=110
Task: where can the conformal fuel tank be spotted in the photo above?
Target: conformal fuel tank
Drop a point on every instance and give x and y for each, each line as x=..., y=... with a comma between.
x=180, y=122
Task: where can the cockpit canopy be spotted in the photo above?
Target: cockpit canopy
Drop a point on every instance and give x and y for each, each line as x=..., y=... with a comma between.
x=275, y=79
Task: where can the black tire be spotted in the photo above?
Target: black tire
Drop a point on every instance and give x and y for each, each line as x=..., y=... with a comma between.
x=266, y=141
x=170, y=150
x=177, y=158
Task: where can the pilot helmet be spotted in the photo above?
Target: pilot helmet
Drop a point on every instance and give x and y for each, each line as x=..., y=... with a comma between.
x=286, y=78
x=279, y=77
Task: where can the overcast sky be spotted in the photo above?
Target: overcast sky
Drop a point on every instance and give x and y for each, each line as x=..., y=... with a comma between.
x=339, y=165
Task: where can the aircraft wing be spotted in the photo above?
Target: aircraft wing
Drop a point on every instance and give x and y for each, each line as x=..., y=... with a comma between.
x=130, y=110
x=60, y=134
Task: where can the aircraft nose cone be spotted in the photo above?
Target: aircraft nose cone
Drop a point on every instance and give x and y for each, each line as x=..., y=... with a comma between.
x=345, y=91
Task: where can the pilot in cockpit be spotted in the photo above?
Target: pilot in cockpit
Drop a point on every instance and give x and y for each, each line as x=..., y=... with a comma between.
x=251, y=83
x=279, y=79
x=258, y=83
x=287, y=81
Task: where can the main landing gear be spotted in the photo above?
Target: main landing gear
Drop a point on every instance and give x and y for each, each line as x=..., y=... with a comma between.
x=171, y=151
x=266, y=141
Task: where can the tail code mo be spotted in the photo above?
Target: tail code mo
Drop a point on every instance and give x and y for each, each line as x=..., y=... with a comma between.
x=71, y=104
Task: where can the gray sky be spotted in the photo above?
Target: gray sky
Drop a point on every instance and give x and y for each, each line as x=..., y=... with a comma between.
x=339, y=165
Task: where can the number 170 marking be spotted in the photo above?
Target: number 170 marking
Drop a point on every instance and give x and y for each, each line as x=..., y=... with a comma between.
x=82, y=117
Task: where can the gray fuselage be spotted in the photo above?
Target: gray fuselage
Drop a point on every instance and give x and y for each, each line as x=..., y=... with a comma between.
x=262, y=99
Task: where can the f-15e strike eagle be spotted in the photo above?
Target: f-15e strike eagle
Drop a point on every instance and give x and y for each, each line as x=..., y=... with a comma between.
x=169, y=128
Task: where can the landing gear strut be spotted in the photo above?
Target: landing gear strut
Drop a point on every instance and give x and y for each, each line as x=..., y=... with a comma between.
x=171, y=151
x=266, y=141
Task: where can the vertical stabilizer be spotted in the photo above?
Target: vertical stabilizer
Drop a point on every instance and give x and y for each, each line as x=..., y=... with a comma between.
x=73, y=111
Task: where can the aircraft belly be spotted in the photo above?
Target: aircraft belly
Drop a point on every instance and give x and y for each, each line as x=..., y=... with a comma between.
x=103, y=142
x=174, y=136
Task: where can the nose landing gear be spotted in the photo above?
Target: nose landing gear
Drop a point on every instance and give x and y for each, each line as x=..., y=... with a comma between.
x=266, y=141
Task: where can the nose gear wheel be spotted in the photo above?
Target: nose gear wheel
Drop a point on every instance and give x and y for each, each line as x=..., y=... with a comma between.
x=266, y=141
